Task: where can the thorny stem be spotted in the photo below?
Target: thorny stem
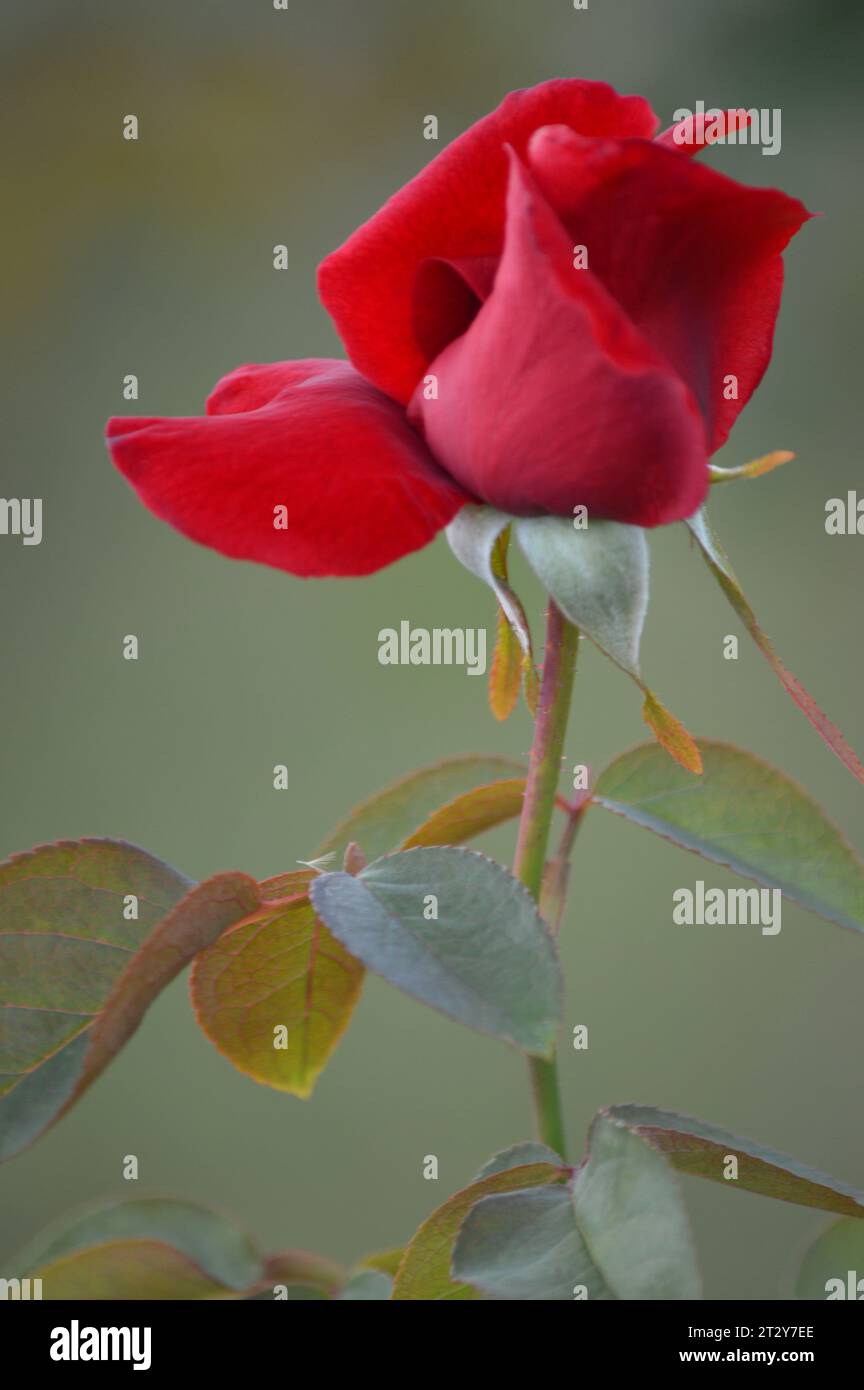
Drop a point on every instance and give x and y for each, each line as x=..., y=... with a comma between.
x=559, y=664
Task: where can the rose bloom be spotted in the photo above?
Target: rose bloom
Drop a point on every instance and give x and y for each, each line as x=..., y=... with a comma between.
x=487, y=361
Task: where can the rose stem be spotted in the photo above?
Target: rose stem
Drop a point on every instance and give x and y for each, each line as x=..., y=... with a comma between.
x=559, y=665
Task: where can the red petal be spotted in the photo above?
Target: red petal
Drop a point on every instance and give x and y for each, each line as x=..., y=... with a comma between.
x=552, y=398
x=358, y=483
x=453, y=209
x=696, y=133
x=691, y=256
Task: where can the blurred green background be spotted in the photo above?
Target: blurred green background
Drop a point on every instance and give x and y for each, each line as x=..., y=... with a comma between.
x=155, y=257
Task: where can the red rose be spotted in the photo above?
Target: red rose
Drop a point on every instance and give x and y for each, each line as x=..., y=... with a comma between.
x=490, y=363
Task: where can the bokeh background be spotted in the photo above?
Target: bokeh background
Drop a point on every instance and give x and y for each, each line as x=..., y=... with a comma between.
x=260, y=127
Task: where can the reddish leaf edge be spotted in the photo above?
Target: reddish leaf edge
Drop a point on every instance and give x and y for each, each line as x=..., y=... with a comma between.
x=718, y=563
x=96, y=1060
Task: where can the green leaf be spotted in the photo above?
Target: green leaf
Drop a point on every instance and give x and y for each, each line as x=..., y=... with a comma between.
x=474, y=539
x=484, y=915
x=701, y=1149
x=833, y=1267
x=531, y=685
x=756, y=469
x=718, y=562
x=366, y=1286
x=425, y=1269
x=526, y=1247
x=597, y=576
x=385, y=1261
x=505, y=672
x=283, y=971
x=513, y=654
x=384, y=821
x=471, y=814
x=618, y=1232
x=746, y=815
x=529, y=1151
x=479, y=538
x=301, y=1269
x=599, y=579
x=78, y=976
x=147, y=1248
x=159, y=1248
x=671, y=734
x=631, y=1216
